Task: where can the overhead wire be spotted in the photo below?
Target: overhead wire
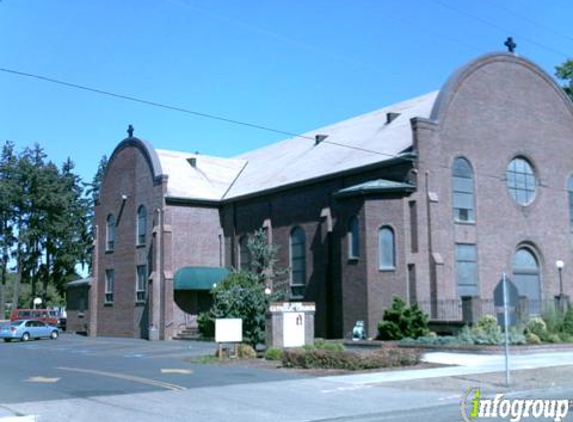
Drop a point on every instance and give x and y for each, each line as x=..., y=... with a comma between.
x=499, y=28
x=404, y=157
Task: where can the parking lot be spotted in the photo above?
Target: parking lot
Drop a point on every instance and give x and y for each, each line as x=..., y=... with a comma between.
x=75, y=366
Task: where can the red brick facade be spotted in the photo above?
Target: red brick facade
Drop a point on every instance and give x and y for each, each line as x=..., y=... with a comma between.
x=495, y=109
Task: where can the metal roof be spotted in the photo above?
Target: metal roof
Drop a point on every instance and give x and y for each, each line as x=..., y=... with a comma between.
x=353, y=143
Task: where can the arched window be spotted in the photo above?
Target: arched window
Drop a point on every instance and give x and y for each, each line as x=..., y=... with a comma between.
x=244, y=254
x=521, y=181
x=386, y=248
x=141, y=225
x=526, y=278
x=297, y=262
x=353, y=238
x=110, y=233
x=570, y=189
x=463, y=191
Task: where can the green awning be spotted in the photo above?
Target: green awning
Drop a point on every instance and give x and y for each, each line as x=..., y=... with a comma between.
x=198, y=278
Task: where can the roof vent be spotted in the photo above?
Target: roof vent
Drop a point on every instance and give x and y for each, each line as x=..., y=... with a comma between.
x=390, y=117
x=319, y=138
x=192, y=161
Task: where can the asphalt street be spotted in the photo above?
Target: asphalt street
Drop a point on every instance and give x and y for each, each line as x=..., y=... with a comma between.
x=75, y=366
x=86, y=379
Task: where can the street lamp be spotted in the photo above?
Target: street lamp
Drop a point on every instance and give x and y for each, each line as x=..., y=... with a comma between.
x=560, y=264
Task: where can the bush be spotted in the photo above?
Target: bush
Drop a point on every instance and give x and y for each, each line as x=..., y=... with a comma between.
x=536, y=326
x=430, y=341
x=553, y=319
x=567, y=326
x=206, y=325
x=246, y=351
x=516, y=336
x=532, y=338
x=322, y=344
x=352, y=361
x=273, y=353
x=240, y=295
x=401, y=321
x=553, y=338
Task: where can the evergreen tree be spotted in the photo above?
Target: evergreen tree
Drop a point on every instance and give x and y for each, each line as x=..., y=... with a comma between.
x=7, y=216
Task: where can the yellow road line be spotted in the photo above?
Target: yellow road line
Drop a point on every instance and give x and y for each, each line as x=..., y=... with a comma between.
x=147, y=381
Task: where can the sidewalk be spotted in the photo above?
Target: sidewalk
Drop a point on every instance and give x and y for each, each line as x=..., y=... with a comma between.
x=462, y=364
x=316, y=398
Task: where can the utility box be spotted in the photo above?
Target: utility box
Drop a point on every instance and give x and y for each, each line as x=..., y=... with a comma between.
x=290, y=324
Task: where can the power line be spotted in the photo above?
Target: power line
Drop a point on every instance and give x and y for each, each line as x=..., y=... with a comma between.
x=242, y=123
x=151, y=103
x=531, y=21
x=499, y=28
x=187, y=111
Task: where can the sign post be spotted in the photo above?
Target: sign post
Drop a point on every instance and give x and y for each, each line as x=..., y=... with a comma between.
x=505, y=297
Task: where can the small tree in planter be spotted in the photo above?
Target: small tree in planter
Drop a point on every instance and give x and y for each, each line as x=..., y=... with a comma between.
x=242, y=294
x=401, y=321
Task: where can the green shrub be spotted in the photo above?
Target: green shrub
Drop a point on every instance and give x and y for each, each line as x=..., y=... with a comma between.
x=401, y=321
x=553, y=319
x=553, y=338
x=568, y=322
x=351, y=361
x=516, y=336
x=246, y=351
x=322, y=344
x=273, y=353
x=430, y=341
x=532, y=338
x=566, y=337
x=206, y=325
x=240, y=295
x=536, y=326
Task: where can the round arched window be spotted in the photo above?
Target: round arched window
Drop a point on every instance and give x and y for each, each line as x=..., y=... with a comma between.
x=521, y=181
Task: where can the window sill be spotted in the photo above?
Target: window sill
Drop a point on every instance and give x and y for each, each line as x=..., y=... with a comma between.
x=108, y=251
x=353, y=260
x=140, y=302
x=387, y=270
x=108, y=304
x=465, y=223
x=140, y=245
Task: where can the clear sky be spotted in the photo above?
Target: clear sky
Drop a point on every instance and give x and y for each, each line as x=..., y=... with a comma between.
x=293, y=65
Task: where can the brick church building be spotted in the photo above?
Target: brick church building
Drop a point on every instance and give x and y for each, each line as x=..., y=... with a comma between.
x=430, y=199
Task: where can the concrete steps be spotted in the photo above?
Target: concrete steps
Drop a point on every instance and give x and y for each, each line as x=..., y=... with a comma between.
x=187, y=333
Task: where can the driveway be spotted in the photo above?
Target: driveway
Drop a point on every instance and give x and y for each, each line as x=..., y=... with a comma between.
x=75, y=366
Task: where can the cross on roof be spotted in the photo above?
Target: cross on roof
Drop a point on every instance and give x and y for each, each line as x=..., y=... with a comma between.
x=130, y=131
x=510, y=44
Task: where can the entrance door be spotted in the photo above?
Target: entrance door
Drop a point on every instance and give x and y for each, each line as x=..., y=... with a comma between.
x=526, y=278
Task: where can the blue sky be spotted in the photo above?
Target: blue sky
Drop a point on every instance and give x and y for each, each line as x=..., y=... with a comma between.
x=292, y=65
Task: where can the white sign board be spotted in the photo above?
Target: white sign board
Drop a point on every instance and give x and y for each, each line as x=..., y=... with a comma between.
x=292, y=307
x=293, y=329
x=228, y=330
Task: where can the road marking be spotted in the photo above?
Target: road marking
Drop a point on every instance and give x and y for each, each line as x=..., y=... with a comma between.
x=147, y=381
x=452, y=397
x=42, y=380
x=351, y=388
x=176, y=371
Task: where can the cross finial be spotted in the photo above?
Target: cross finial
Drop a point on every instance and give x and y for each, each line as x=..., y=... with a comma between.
x=130, y=131
x=510, y=44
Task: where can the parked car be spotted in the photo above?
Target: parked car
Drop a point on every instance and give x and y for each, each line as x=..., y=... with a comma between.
x=28, y=329
x=49, y=316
